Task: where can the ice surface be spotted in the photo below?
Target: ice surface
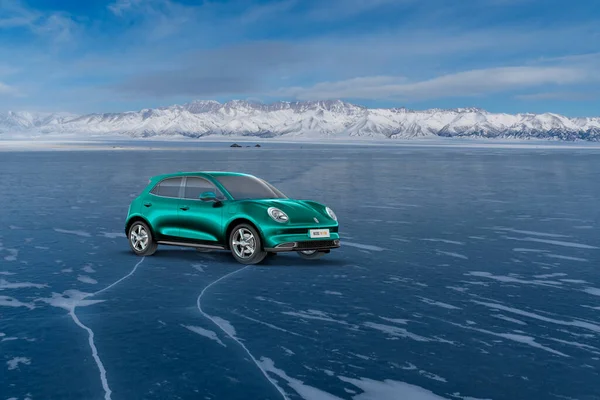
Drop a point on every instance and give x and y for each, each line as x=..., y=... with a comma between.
x=6, y=301
x=4, y=284
x=315, y=315
x=111, y=235
x=439, y=304
x=452, y=254
x=272, y=326
x=577, y=323
x=570, y=258
x=362, y=246
x=526, y=250
x=395, y=331
x=206, y=333
x=524, y=339
x=305, y=391
x=445, y=241
x=86, y=279
x=72, y=232
x=511, y=279
x=371, y=309
x=70, y=299
x=88, y=268
x=389, y=390
x=14, y=363
x=592, y=290
x=555, y=242
x=546, y=234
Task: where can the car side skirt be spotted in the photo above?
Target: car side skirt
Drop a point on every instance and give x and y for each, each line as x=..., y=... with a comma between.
x=190, y=244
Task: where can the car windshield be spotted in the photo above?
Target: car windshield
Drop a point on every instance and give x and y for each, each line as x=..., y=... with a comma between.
x=248, y=187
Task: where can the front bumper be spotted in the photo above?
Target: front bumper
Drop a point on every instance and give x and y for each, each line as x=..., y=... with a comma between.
x=296, y=238
x=298, y=243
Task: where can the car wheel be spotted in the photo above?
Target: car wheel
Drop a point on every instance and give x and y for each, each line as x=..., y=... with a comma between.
x=311, y=254
x=140, y=239
x=246, y=245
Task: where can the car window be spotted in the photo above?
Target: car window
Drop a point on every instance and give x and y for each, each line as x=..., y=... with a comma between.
x=168, y=187
x=195, y=186
x=249, y=187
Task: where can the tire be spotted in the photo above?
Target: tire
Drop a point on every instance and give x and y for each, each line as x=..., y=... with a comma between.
x=251, y=243
x=311, y=254
x=137, y=232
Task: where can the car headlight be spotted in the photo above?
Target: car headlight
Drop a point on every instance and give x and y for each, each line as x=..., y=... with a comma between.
x=277, y=214
x=331, y=213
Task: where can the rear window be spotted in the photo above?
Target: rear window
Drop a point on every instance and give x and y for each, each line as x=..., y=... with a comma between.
x=168, y=187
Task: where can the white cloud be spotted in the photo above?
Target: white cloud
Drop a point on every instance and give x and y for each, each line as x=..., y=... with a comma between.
x=259, y=12
x=468, y=83
x=8, y=90
x=120, y=6
x=561, y=96
x=55, y=25
x=336, y=9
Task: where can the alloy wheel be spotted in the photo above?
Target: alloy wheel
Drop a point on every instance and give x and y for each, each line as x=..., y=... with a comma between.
x=139, y=238
x=244, y=243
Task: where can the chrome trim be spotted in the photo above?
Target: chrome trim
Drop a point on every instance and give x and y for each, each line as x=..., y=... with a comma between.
x=181, y=192
x=197, y=245
x=270, y=210
x=289, y=244
x=284, y=247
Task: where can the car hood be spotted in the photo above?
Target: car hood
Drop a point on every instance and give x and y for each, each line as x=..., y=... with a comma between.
x=299, y=211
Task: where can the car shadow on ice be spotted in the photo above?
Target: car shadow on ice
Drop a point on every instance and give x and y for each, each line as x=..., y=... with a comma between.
x=224, y=257
x=293, y=260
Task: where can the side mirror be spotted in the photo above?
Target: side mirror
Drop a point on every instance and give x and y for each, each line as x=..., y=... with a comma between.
x=208, y=196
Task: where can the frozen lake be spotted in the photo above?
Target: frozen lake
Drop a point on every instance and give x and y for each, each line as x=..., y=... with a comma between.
x=464, y=273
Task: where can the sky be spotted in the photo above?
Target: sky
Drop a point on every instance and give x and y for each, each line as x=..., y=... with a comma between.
x=110, y=56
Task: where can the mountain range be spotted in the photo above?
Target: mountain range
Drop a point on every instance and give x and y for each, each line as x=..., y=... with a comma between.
x=319, y=119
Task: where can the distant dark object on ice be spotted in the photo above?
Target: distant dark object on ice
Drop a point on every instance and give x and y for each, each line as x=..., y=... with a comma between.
x=237, y=145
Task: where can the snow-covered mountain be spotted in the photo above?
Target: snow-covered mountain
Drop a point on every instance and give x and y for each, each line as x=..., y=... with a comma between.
x=326, y=119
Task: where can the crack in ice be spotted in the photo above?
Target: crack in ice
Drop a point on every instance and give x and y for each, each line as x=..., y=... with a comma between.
x=231, y=335
x=103, y=379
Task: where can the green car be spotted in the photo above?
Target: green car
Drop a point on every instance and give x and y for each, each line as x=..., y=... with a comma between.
x=228, y=211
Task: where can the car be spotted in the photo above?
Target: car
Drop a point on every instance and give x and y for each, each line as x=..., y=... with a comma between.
x=230, y=211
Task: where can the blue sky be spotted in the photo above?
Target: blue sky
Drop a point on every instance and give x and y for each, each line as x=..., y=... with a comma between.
x=109, y=56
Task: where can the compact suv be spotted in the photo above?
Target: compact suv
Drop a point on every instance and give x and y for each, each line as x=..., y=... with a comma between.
x=228, y=211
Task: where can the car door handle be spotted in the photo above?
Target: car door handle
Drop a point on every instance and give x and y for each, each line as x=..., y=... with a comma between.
x=147, y=204
x=184, y=208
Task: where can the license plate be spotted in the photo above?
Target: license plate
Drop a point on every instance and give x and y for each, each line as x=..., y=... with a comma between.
x=318, y=233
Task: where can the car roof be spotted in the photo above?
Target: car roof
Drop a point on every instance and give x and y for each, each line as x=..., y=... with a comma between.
x=197, y=173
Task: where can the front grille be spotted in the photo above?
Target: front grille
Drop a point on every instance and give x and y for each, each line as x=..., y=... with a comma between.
x=315, y=244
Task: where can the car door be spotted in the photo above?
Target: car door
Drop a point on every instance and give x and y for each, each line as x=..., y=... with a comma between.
x=161, y=208
x=200, y=221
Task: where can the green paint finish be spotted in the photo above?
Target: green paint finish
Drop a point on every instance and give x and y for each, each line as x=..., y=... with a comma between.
x=172, y=208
